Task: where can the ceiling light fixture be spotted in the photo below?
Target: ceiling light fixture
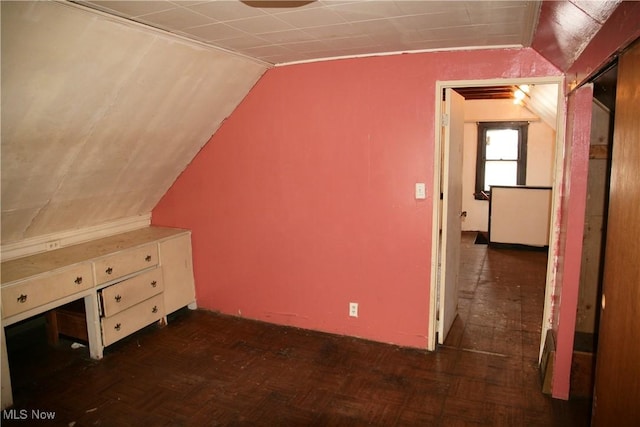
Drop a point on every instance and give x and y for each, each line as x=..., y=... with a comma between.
x=521, y=92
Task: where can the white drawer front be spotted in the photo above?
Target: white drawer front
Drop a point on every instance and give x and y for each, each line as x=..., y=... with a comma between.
x=128, y=321
x=126, y=262
x=128, y=293
x=41, y=290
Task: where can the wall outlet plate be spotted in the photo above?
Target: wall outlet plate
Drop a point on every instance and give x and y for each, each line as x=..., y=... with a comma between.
x=52, y=245
x=353, y=309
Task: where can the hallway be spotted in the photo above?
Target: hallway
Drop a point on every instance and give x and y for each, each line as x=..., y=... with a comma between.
x=497, y=331
x=205, y=369
x=500, y=301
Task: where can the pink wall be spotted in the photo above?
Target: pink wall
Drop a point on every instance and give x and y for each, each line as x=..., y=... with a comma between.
x=618, y=32
x=574, y=198
x=579, y=38
x=304, y=199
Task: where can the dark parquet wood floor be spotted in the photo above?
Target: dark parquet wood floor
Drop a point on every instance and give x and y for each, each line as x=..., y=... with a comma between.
x=205, y=369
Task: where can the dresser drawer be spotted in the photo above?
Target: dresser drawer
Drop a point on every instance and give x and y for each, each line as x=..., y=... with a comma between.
x=127, y=293
x=126, y=262
x=41, y=290
x=128, y=321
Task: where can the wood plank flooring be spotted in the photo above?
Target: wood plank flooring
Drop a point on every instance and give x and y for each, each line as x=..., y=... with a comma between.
x=206, y=369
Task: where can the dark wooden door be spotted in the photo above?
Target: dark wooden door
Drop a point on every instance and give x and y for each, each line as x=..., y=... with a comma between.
x=617, y=384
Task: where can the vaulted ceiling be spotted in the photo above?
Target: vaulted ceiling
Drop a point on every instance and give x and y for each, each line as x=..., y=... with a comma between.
x=104, y=103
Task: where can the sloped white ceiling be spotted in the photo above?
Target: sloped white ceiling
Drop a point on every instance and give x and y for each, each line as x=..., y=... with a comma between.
x=543, y=101
x=290, y=31
x=99, y=116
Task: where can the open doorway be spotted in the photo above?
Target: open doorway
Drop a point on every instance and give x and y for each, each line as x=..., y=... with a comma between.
x=443, y=281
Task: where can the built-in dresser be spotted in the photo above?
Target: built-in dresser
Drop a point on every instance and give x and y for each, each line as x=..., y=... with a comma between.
x=120, y=283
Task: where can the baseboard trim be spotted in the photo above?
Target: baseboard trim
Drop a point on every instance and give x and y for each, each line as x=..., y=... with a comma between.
x=61, y=239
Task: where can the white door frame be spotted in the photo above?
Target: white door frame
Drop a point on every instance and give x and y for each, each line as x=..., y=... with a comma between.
x=554, y=231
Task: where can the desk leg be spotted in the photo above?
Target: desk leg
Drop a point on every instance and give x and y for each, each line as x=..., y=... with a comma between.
x=7, y=394
x=93, y=326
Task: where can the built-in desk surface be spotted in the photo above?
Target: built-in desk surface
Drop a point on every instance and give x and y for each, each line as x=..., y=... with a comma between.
x=22, y=268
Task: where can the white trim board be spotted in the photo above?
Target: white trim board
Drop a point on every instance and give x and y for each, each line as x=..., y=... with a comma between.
x=61, y=239
x=399, y=52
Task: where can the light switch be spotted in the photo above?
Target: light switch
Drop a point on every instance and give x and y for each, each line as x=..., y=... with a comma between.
x=421, y=191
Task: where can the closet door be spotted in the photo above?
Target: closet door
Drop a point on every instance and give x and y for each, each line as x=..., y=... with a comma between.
x=617, y=383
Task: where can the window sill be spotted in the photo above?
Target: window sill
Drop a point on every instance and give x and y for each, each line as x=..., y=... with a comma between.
x=482, y=196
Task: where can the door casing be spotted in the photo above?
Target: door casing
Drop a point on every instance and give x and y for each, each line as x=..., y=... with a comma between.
x=439, y=161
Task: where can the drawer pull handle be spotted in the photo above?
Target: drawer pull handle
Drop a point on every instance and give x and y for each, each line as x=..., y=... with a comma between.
x=109, y=270
x=22, y=298
x=117, y=327
x=78, y=280
x=147, y=258
x=117, y=298
x=154, y=284
x=154, y=309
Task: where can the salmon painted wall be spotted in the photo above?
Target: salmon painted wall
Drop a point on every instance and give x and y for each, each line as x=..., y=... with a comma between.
x=303, y=200
x=574, y=201
x=617, y=32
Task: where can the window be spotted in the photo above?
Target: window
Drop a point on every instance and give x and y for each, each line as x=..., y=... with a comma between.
x=502, y=155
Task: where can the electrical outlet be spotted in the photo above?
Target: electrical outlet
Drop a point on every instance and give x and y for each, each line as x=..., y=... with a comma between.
x=353, y=309
x=53, y=244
